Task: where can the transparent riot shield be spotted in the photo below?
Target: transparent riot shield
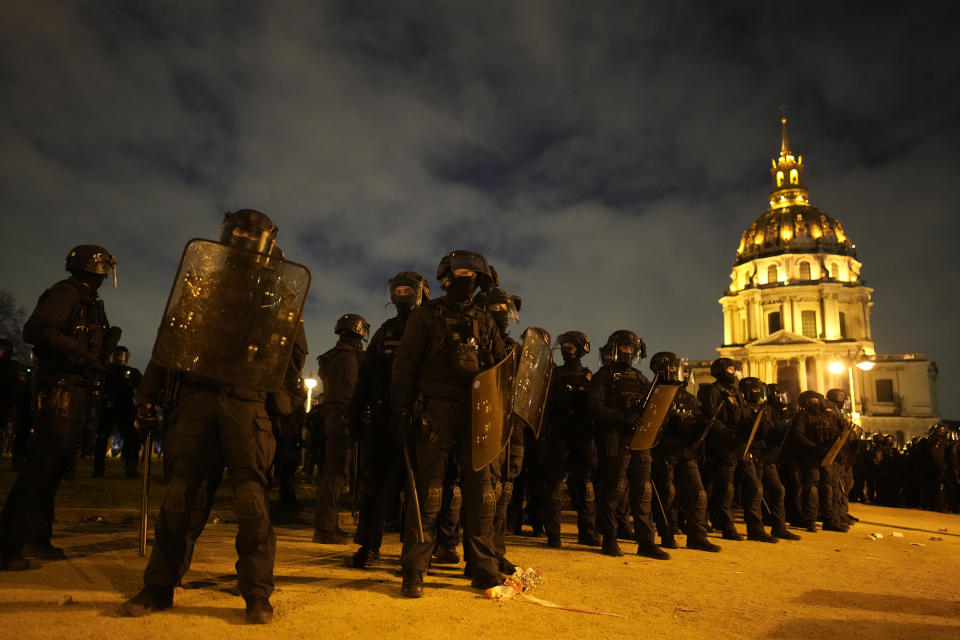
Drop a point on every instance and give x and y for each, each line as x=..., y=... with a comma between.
x=532, y=382
x=232, y=315
x=490, y=396
x=654, y=414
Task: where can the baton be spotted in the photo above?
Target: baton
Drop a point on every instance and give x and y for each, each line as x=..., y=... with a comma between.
x=413, y=492
x=145, y=493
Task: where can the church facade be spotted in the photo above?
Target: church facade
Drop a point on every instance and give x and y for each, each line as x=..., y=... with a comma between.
x=797, y=312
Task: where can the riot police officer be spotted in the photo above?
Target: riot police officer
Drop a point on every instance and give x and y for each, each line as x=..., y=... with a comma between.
x=729, y=429
x=764, y=452
x=117, y=411
x=220, y=416
x=71, y=340
x=675, y=460
x=381, y=465
x=815, y=431
x=339, y=370
x=447, y=342
x=616, y=397
x=568, y=439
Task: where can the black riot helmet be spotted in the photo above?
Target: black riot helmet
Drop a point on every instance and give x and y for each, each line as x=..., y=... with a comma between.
x=93, y=259
x=606, y=355
x=461, y=265
x=626, y=348
x=777, y=394
x=811, y=401
x=754, y=390
x=250, y=230
x=726, y=371
x=352, y=325
x=938, y=431
x=837, y=397
x=503, y=306
x=409, y=289
x=666, y=366
x=120, y=356
x=573, y=344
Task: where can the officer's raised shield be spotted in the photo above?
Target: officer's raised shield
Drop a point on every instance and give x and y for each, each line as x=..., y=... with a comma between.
x=232, y=315
x=532, y=381
x=841, y=440
x=490, y=410
x=654, y=414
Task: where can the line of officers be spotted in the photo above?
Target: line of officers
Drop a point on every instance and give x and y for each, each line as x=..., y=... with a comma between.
x=740, y=438
x=408, y=399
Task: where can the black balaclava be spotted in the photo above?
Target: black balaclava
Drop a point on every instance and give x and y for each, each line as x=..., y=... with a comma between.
x=462, y=287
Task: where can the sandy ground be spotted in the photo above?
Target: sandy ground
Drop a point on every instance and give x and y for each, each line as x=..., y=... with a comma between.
x=828, y=584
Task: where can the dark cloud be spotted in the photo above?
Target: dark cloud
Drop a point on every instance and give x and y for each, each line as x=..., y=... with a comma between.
x=605, y=156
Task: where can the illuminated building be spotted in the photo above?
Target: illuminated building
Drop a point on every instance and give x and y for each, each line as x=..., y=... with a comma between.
x=797, y=311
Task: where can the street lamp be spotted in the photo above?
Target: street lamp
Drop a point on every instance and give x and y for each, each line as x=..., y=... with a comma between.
x=859, y=361
x=309, y=383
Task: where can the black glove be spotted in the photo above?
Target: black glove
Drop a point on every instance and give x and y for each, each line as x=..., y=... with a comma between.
x=146, y=421
x=635, y=420
x=400, y=425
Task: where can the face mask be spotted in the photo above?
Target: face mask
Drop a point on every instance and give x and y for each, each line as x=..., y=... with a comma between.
x=462, y=287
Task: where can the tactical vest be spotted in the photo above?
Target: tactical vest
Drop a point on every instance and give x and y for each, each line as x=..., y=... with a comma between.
x=572, y=404
x=467, y=351
x=627, y=389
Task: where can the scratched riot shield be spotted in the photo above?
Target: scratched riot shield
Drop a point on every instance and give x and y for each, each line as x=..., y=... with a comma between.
x=490, y=396
x=654, y=415
x=838, y=444
x=232, y=315
x=532, y=382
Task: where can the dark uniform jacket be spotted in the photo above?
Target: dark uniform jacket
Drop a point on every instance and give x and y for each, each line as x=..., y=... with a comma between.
x=684, y=424
x=615, y=397
x=568, y=408
x=814, y=433
x=444, y=345
x=67, y=329
x=340, y=370
x=729, y=430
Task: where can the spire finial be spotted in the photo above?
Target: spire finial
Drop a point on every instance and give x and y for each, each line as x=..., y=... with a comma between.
x=784, y=140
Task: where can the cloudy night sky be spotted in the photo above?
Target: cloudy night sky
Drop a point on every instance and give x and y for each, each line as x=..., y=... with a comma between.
x=605, y=156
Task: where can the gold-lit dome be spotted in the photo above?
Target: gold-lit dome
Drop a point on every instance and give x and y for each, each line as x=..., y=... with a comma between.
x=792, y=224
x=793, y=229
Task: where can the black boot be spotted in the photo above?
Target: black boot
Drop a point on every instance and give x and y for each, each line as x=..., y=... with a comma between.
x=412, y=585
x=446, y=555
x=149, y=599
x=13, y=561
x=783, y=534
x=611, y=547
x=761, y=536
x=652, y=551
x=43, y=550
x=364, y=558
x=259, y=610
x=702, y=545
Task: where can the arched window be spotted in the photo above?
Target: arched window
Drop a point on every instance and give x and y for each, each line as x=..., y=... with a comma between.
x=779, y=178
x=834, y=270
x=804, y=270
x=794, y=176
x=772, y=273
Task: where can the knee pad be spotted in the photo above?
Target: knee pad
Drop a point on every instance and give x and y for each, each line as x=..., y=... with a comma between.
x=431, y=503
x=250, y=502
x=506, y=494
x=557, y=494
x=175, y=500
x=456, y=498
x=619, y=490
x=647, y=496
x=779, y=493
x=589, y=497
x=672, y=494
x=488, y=504
x=701, y=499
